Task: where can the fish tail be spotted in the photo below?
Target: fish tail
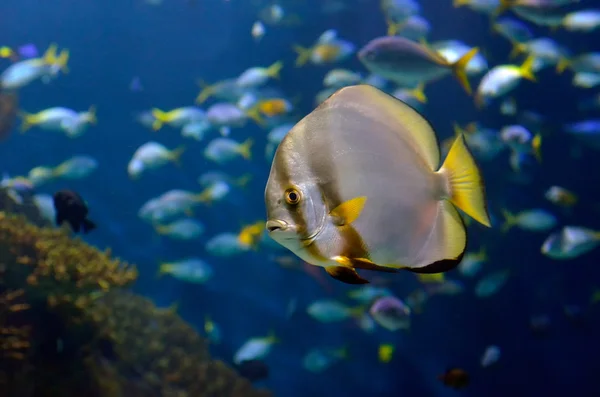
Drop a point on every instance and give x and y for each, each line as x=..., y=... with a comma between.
x=161, y=229
x=272, y=337
x=254, y=114
x=460, y=3
x=517, y=49
x=460, y=66
x=6, y=52
x=163, y=268
x=91, y=115
x=244, y=149
x=526, y=69
x=467, y=191
x=394, y=27
x=206, y=92
x=482, y=254
x=88, y=226
x=160, y=117
x=503, y=7
x=419, y=93
x=175, y=154
x=509, y=221
x=63, y=60
x=243, y=180
x=28, y=120
x=536, y=146
x=49, y=56
x=563, y=64
x=274, y=70
x=303, y=55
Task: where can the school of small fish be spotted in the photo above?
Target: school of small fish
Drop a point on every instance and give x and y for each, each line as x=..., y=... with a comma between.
x=359, y=185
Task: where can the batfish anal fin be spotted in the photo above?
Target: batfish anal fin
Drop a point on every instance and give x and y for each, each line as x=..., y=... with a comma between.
x=364, y=263
x=348, y=211
x=345, y=274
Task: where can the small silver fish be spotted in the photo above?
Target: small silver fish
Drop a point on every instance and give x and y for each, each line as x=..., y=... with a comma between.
x=357, y=184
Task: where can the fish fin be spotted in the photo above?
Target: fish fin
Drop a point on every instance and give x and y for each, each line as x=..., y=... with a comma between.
x=244, y=149
x=59, y=218
x=28, y=120
x=510, y=220
x=62, y=61
x=536, y=146
x=303, y=55
x=160, y=118
x=448, y=240
x=75, y=226
x=467, y=191
x=163, y=268
x=348, y=211
x=345, y=274
x=243, y=180
x=274, y=70
x=517, y=49
x=526, y=69
x=419, y=93
x=431, y=278
x=88, y=225
x=49, y=56
x=460, y=3
x=394, y=27
x=563, y=64
x=206, y=92
x=91, y=115
x=254, y=114
x=459, y=69
x=502, y=7
x=364, y=263
x=175, y=155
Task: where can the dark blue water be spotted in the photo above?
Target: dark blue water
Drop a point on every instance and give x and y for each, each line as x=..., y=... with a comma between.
x=172, y=46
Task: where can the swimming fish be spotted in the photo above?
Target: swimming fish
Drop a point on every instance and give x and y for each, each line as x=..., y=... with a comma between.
x=408, y=63
x=356, y=184
x=71, y=208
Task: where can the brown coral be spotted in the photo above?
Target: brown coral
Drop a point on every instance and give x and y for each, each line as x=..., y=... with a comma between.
x=68, y=329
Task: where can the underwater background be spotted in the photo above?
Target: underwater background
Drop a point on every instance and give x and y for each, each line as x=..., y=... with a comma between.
x=167, y=47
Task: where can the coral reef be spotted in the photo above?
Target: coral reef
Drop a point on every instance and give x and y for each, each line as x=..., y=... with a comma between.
x=69, y=328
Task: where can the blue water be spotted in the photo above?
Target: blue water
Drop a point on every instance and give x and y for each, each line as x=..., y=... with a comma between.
x=170, y=47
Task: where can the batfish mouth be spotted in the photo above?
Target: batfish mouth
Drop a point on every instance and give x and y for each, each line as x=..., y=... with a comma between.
x=277, y=226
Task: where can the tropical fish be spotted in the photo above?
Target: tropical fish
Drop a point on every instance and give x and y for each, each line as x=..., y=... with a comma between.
x=361, y=164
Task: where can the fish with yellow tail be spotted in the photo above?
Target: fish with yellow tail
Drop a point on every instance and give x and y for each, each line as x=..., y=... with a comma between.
x=357, y=184
x=408, y=63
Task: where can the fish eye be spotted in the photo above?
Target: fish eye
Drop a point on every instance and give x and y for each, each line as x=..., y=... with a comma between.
x=292, y=196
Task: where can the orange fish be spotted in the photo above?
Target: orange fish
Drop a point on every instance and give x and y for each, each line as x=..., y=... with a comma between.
x=456, y=378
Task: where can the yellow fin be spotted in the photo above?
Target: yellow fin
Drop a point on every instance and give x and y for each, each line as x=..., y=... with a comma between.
x=274, y=69
x=254, y=114
x=510, y=220
x=28, y=120
x=345, y=274
x=536, y=146
x=206, y=92
x=303, y=55
x=467, y=191
x=349, y=211
x=419, y=93
x=459, y=69
x=244, y=149
x=526, y=69
x=91, y=115
x=517, y=49
x=160, y=118
x=562, y=65
x=431, y=278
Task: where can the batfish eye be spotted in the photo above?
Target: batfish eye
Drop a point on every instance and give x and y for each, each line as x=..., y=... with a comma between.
x=292, y=196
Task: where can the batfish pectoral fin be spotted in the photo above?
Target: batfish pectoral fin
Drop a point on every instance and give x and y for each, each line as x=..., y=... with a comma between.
x=345, y=274
x=348, y=211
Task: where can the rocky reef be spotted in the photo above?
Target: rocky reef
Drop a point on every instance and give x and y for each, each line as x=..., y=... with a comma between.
x=69, y=327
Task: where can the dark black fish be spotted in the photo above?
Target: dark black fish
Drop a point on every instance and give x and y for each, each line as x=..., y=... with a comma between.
x=71, y=208
x=253, y=370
